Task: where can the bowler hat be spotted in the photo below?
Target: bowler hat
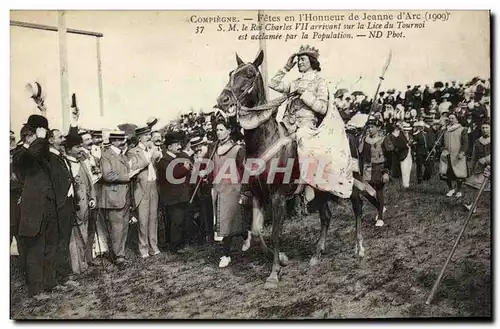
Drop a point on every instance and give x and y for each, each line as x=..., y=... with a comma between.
x=72, y=140
x=173, y=137
x=37, y=121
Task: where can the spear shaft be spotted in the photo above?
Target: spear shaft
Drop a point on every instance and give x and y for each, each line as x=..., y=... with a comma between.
x=381, y=78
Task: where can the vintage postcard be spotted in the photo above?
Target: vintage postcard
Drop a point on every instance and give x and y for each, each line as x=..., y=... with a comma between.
x=250, y=164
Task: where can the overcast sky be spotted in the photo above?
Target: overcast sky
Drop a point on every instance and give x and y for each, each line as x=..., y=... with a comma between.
x=154, y=64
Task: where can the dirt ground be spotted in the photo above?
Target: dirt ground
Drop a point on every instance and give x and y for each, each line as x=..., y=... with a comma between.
x=403, y=259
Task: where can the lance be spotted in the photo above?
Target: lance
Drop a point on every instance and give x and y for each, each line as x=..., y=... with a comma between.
x=469, y=216
x=435, y=145
x=381, y=78
x=357, y=80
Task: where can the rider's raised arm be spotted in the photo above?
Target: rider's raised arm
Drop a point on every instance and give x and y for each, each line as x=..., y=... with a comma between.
x=278, y=84
x=317, y=100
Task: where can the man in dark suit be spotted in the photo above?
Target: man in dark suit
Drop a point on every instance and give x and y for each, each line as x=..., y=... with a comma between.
x=174, y=194
x=38, y=206
x=65, y=199
x=422, y=146
x=203, y=198
x=114, y=201
x=16, y=187
x=408, y=96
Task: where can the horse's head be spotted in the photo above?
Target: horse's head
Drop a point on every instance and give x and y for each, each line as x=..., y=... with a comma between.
x=244, y=88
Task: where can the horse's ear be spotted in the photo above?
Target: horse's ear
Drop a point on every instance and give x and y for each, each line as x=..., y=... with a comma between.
x=260, y=58
x=238, y=60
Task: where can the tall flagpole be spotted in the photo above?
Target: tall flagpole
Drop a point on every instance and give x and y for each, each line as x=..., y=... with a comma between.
x=63, y=62
x=262, y=44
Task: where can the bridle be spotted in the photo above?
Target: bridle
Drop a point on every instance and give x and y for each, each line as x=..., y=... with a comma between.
x=260, y=108
x=245, y=92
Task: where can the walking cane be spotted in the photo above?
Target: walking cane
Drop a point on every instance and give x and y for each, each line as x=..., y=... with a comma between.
x=441, y=274
x=199, y=181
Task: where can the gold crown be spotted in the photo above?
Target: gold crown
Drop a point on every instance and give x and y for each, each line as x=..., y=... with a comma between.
x=308, y=50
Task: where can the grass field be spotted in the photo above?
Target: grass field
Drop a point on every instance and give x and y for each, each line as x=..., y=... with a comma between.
x=403, y=259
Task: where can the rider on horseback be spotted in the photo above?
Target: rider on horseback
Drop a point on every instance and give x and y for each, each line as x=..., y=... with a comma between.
x=310, y=105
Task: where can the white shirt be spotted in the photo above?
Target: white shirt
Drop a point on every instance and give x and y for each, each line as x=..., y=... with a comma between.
x=309, y=75
x=75, y=165
x=151, y=169
x=71, y=190
x=95, y=151
x=89, y=163
x=171, y=154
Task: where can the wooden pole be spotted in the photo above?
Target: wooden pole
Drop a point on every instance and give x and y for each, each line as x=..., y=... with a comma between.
x=63, y=57
x=450, y=255
x=262, y=44
x=99, y=76
x=53, y=28
x=63, y=62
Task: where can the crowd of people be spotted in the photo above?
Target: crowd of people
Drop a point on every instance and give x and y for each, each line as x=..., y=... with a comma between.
x=74, y=194
x=445, y=128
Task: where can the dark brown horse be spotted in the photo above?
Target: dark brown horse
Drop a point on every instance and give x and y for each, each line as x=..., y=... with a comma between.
x=245, y=98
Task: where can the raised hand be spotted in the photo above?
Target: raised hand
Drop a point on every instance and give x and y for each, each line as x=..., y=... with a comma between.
x=290, y=63
x=75, y=113
x=41, y=132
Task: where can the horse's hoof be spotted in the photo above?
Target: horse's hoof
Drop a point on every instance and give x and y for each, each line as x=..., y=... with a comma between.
x=283, y=259
x=361, y=253
x=314, y=261
x=271, y=283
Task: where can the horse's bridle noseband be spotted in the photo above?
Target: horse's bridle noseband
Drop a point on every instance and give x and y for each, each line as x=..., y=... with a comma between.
x=246, y=91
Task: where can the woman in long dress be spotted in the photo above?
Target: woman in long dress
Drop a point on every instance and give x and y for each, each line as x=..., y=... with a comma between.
x=228, y=162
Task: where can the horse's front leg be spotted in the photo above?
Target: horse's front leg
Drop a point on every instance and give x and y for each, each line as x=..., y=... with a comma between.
x=357, y=207
x=325, y=215
x=278, y=211
x=258, y=225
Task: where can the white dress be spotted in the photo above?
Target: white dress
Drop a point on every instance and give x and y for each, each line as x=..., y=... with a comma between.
x=324, y=153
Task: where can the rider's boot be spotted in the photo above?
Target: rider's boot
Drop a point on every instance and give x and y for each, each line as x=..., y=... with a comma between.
x=308, y=193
